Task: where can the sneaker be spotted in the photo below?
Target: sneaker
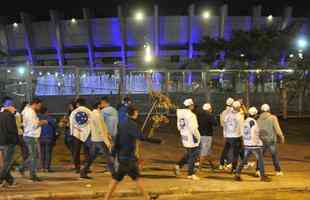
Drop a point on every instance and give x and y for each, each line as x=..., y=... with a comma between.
x=85, y=177
x=177, y=170
x=228, y=167
x=238, y=178
x=279, y=173
x=194, y=177
x=265, y=179
x=257, y=174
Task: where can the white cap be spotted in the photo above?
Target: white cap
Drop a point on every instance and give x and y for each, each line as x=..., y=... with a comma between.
x=188, y=102
x=253, y=111
x=229, y=101
x=265, y=108
x=206, y=106
x=236, y=104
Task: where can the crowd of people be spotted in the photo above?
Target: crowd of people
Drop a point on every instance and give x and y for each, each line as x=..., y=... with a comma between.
x=102, y=130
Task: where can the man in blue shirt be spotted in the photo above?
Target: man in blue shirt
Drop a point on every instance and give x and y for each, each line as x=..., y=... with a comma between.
x=110, y=116
x=124, y=153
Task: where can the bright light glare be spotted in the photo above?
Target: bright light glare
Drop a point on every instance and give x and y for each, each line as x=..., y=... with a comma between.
x=270, y=18
x=301, y=43
x=15, y=25
x=139, y=16
x=148, y=54
x=73, y=20
x=206, y=15
x=21, y=70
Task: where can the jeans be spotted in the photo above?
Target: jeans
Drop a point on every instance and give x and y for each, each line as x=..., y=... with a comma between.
x=274, y=154
x=68, y=139
x=32, y=161
x=235, y=145
x=46, y=147
x=95, y=149
x=189, y=158
x=258, y=152
x=23, y=148
x=77, y=145
x=5, y=172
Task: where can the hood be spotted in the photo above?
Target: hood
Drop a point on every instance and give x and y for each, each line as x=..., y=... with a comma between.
x=264, y=115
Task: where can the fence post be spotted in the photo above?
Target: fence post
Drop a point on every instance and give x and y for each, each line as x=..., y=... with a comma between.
x=300, y=103
x=284, y=102
x=77, y=81
x=29, y=91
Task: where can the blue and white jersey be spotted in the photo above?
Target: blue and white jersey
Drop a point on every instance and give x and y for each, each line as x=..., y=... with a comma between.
x=188, y=126
x=80, y=123
x=251, y=132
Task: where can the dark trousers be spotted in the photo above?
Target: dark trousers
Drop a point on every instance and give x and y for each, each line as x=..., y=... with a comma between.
x=46, y=150
x=68, y=139
x=5, y=172
x=32, y=161
x=235, y=145
x=189, y=158
x=258, y=153
x=77, y=146
x=274, y=154
x=23, y=148
x=98, y=148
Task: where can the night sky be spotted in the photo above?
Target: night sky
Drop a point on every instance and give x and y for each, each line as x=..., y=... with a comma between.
x=105, y=8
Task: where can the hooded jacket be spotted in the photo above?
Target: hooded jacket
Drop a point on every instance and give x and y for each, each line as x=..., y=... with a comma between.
x=269, y=127
x=188, y=126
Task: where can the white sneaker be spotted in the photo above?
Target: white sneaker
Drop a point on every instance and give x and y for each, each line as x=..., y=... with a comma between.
x=279, y=173
x=177, y=170
x=221, y=167
x=228, y=167
x=194, y=177
x=257, y=174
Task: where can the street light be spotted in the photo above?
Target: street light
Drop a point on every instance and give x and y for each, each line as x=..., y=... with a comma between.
x=270, y=18
x=15, y=25
x=302, y=43
x=73, y=21
x=139, y=16
x=206, y=14
x=148, y=57
x=21, y=70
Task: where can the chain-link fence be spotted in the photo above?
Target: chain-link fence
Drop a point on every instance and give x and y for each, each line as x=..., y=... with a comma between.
x=59, y=86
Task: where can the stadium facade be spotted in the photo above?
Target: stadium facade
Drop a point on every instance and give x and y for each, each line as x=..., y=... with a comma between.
x=104, y=42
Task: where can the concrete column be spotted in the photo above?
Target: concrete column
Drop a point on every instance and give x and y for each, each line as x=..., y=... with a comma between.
x=191, y=14
x=29, y=38
x=122, y=22
x=90, y=42
x=223, y=17
x=287, y=17
x=55, y=17
x=4, y=48
x=156, y=31
x=256, y=16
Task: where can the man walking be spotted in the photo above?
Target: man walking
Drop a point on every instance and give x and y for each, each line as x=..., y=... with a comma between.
x=80, y=127
x=206, y=122
x=124, y=152
x=100, y=141
x=270, y=129
x=233, y=123
x=188, y=126
x=32, y=131
x=8, y=141
x=252, y=145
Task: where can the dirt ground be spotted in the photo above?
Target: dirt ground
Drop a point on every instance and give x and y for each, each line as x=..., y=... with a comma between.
x=159, y=177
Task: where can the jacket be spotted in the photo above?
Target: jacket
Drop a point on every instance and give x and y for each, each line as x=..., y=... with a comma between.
x=8, y=129
x=206, y=122
x=251, y=134
x=99, y=130
x=269, y=127
x=48, y=131
x=188, y=126
x=233, y=124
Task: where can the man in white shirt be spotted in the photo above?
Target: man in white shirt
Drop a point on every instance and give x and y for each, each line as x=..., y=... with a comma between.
x=32, y=130
x=100, y=141
x=80, y=127
x=188, y=126
x=232, y=129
